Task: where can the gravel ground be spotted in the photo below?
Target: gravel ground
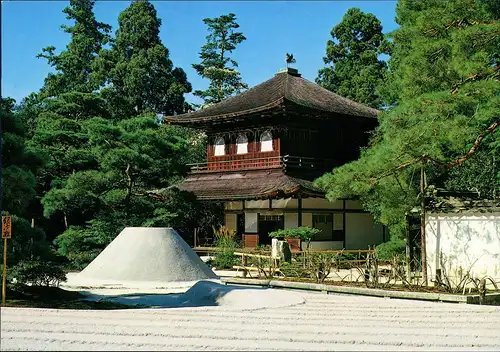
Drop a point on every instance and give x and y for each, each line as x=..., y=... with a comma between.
x=321, y=322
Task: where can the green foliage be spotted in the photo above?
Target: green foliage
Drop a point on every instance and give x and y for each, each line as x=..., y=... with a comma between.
x=388, y=250
x=107, y=161
x=137, y=72
x=135, y=156
x=445, y=91
x=27, y=242
x=225, y=241
x=355, y=71
x=305, y=233
x=38, y=273
x=18, y=163
x=216, y=64
x=79, y=245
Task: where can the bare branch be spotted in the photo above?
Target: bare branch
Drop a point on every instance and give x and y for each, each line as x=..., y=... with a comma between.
x=459, y=161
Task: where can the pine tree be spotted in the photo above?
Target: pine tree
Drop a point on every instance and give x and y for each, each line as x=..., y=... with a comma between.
x=216, y=64
x=355, y=71
x=135, y=156
x=137, y=68
x=444, y=82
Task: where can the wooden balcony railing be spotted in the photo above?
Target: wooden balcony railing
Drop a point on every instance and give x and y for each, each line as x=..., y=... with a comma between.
x=274, y=162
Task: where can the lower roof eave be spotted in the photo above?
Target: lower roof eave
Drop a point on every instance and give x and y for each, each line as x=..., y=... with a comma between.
x=270, y=195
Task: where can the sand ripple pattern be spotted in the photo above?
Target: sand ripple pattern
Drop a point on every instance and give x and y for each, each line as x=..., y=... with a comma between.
x=322, y=323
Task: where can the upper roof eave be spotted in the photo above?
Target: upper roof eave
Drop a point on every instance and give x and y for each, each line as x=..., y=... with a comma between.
x=271, y=94
x=184, y=119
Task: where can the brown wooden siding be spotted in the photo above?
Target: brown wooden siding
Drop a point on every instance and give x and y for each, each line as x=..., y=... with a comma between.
x=250, y=240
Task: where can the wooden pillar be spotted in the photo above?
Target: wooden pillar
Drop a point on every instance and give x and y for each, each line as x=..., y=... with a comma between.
x=344, y=230
x=299, y=210
x=422, y=224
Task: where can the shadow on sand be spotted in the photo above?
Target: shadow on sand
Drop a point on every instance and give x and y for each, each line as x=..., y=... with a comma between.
x=202, y=294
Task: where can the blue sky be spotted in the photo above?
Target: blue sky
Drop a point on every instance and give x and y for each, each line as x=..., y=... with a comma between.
x=272, y=28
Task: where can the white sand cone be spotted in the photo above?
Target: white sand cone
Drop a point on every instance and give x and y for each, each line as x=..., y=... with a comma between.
x=147, y=254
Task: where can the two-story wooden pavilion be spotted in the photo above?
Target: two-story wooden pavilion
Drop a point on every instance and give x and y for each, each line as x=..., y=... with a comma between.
x=267, y=145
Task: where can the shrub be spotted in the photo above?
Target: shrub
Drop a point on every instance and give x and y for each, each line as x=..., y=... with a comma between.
x=391, y=249
x=38, y=273
x=305, y=233
x=225, y=241
x=79, y=245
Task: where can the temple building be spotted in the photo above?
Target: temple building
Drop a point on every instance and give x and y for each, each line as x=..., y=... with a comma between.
x=266, y=147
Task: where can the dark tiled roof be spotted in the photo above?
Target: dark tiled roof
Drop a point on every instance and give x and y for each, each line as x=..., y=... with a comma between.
x=246, y=185
x=462, y=204
x=283, y=88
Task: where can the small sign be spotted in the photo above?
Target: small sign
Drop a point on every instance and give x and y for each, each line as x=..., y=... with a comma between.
x=6, y=226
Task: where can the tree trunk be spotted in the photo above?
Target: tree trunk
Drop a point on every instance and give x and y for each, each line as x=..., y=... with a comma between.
x=129, y=185
x=65, y=221
x=422, y=226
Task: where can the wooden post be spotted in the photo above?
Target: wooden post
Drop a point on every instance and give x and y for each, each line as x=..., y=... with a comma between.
x=422, y=226
x=244, y=263
x=4, y=273
x=195, y=235
x=299, y=210
x=6, y=233
x=407, y=250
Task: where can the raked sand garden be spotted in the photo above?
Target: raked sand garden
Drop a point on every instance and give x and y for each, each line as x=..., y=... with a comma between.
x=282, y=320
x=205, y=314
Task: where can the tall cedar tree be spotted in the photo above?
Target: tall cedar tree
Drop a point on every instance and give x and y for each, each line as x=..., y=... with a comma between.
x=355, y=71
x=74, y=65
x=216, y=64
x=55, y=115
x=443, y=80
x=137, y=70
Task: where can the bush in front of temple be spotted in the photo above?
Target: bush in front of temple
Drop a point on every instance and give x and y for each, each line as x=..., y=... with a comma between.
x=225, y=241
x=387, y=251
x=38, y=273
x=304, y=233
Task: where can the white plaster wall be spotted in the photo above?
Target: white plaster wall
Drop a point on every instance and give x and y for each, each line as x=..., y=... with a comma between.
x=291, y=220
x=307, y=219
x=466, y=241
x=361, y=231
x=251, y=222
x=285, y=203
x=320, y=203
x=257, y=204
x=235, y=205
x=230, y=221
x=324, y=245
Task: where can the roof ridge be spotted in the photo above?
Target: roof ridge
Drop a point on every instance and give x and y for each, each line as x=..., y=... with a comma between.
x=282, y=87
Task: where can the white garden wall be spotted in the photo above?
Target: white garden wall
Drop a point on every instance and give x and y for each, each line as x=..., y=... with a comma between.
x=464, y=241
x=362, y=231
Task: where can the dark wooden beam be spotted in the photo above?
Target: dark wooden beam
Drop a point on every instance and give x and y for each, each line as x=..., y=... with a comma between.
x=299, y=210
x=343, y=219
